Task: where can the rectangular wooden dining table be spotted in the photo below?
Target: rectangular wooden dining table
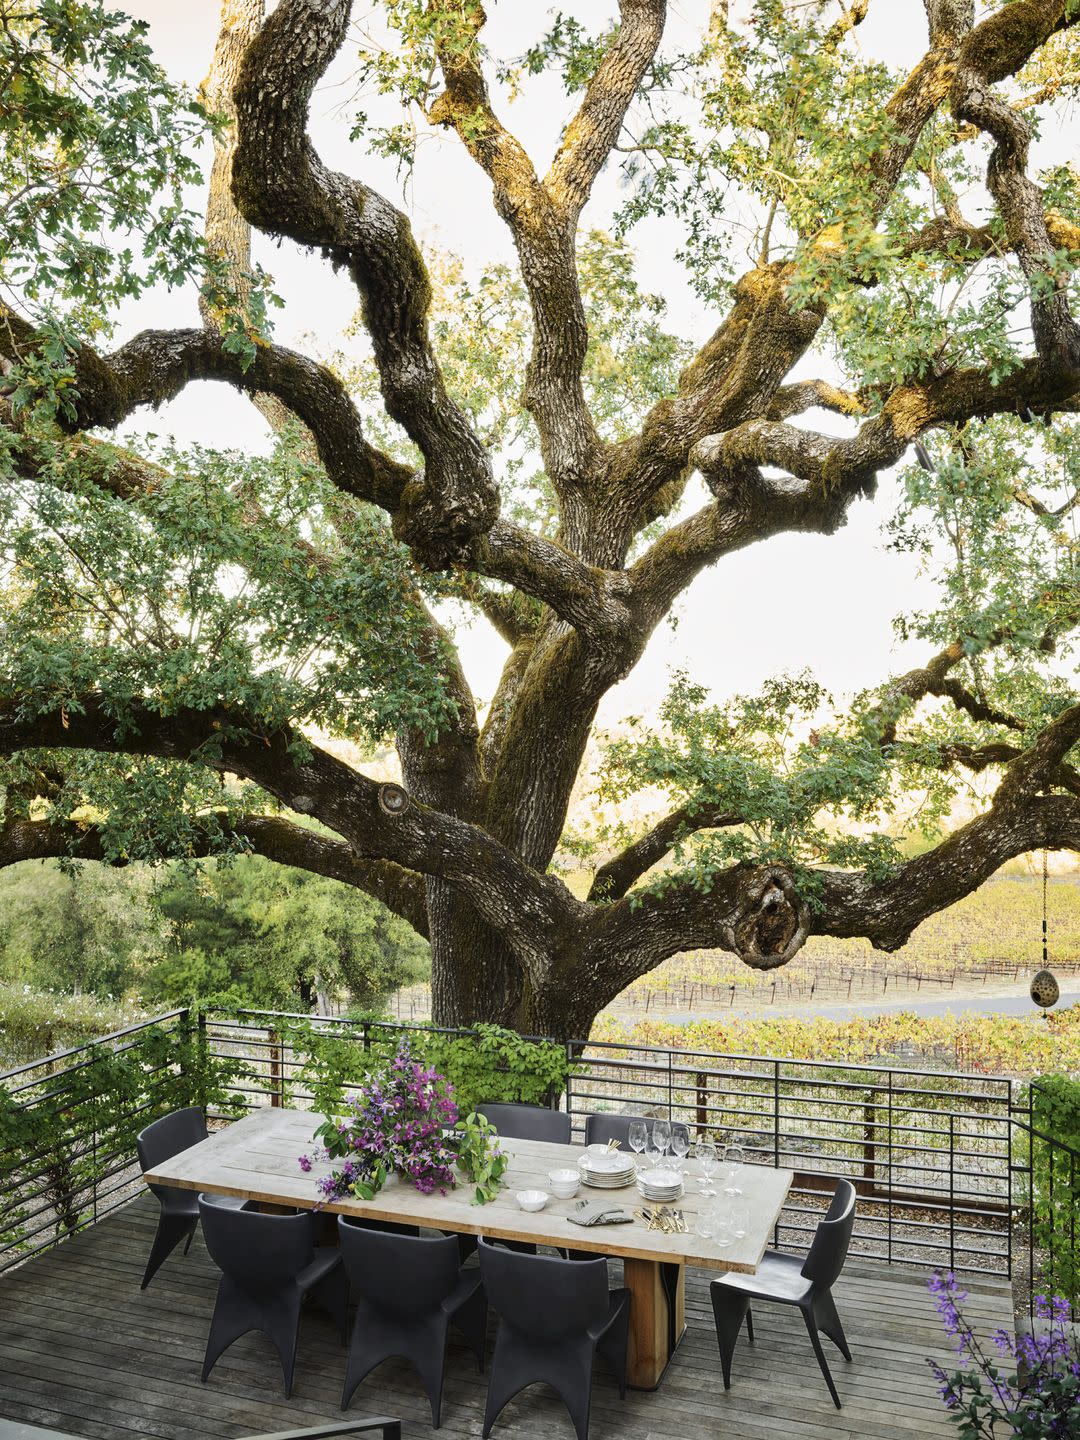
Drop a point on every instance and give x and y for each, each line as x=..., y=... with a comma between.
x=258, y=1158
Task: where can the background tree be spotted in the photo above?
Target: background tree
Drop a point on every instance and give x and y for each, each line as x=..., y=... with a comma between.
x=275, y=937
x=173, y=618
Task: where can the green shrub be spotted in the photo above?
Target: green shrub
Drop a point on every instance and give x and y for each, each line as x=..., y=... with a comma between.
x=1055, y=1170
x=488, y=1063
x=67, y=1128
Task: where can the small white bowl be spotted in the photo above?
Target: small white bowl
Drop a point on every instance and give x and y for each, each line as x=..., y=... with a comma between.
x=564, y=1183
x=531, y=1199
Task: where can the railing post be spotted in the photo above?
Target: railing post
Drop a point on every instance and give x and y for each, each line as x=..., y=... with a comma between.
x=889, y=1181
x=1009, y=1183
x=202, y=1048
x=952, y=1191
x=277, y=1096
x=776, y=1114
x=869, y=1139
x=701, y=1117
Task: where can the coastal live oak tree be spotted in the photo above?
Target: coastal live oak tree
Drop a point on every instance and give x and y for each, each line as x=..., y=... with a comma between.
x=890, y=280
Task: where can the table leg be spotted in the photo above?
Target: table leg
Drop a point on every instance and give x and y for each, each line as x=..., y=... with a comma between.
x=657, y=1318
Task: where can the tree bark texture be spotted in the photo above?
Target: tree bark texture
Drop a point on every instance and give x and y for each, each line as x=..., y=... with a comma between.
x=463, y=848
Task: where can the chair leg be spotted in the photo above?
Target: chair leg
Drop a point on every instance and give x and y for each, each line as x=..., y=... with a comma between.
x=811, y=1330
x=572, y=1379
x=729, y=1308
x=232, y=1318
x=171, y=1229
x=504, y=1382
x=282, y=1324
x=360, y=1361
x=749, y=1325
x=431, y=1367
x=828, y=1322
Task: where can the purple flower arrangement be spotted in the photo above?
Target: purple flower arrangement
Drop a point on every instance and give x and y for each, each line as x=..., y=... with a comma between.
x=404, y=1120
x=1028, y=1386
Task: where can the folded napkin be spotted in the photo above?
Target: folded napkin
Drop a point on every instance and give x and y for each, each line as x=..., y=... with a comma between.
x=597, y=1212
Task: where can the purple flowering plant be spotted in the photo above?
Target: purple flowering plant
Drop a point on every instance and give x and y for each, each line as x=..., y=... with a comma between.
x=1027, y=1385
x=404, y=1120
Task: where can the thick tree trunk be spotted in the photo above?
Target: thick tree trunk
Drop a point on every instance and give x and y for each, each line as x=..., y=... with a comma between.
x=474, y=974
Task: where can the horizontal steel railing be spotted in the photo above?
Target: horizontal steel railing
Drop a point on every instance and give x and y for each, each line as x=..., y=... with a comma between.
x=81, y=1164
x=929, y=1152
x=941, y=1173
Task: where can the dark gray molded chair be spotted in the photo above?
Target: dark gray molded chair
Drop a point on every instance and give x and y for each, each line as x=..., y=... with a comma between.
x=179, y=1217
x=554, y=1316
x=409, y=1290
x=527, y=1122
x=599, y=1129
x=269, y=1263
x=787, y=1280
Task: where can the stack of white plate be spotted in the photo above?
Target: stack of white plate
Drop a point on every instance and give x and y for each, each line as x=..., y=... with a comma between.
x=661, y=1186
x=608, y=1170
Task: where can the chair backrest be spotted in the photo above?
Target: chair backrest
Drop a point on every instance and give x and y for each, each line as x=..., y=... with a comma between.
x=260, y=1253
x=541, y=1296
x=166, y=1137
x=527, y=1122
x=599, y=1129
x=829, y=1247
x=403, y=1275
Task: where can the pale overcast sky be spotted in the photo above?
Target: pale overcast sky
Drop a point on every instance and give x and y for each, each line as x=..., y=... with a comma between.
x=797, y=601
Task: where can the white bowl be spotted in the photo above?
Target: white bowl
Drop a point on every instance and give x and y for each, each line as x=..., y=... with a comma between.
x=531, y=1199
x=564, y=1183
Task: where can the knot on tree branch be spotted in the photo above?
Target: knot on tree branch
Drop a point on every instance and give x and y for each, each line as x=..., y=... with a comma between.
x=771, y=921
x=444, y=530
x=393, y=800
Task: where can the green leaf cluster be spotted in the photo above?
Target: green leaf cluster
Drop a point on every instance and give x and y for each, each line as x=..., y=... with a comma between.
x=97, y=149
x=1055, y=1171
x=64, y=1133
x=488, y=1063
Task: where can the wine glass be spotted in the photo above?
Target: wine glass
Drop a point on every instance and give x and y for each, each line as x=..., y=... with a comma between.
x=705, y=1153
x=662, y=1135
x=734, y=1159
x=656, y=1144
x=680, y=1144
x=637, y=1135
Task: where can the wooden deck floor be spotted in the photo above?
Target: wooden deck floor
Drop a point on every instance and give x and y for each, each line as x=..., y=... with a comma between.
x=83, y=1350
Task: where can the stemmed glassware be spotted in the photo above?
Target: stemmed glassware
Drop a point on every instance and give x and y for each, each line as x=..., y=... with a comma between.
x=705, y=1153
x=734, y=1159
x=680, y=1144
x=638, y=1136
x=662, y=1135
x=657, y=1143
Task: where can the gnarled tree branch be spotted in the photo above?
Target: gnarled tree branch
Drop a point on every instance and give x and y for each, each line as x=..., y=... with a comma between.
x=271, y=836
x=281, y=185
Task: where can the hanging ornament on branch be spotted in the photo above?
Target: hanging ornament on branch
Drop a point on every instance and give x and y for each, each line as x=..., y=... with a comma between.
x=1045, y=990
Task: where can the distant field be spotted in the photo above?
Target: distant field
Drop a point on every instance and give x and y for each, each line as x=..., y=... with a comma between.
x=995, y=932
x=1018, y=1046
